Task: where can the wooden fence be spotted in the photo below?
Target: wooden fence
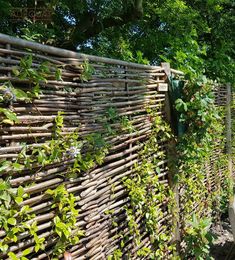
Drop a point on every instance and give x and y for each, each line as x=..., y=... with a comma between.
x=90, y=91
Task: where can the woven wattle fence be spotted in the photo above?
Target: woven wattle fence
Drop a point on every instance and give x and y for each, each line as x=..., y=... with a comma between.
x=129, y=89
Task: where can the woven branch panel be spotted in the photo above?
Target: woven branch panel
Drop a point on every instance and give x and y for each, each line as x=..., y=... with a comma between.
x=220, y=92
x=126, y=87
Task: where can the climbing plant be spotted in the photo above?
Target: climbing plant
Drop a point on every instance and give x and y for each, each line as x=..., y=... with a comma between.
x=204, y=136
x=147, y=194
x=17, y=218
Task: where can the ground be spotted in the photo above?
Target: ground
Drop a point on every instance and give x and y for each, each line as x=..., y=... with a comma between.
x=223, y=247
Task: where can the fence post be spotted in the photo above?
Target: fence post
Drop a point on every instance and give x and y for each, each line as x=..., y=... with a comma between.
x=229, y=130
x=229, y=141
x=231, y=209
x=172, y=160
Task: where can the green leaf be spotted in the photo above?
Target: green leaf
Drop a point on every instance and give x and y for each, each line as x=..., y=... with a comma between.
x=20, y=191
x=3, y=185
x=58, y=74
x=49, y=191
x=29, y=61
x=11, y=221
x=26, y=252
x=36, y=248
x=12, y=256
x=36, y=90
x=4, y=247
x=5, y=196
x=7, y=122
x=17, y=166
x=15, y=71
x=9, y=114
x=18, y=200
x=20, y=94
x=5, y=165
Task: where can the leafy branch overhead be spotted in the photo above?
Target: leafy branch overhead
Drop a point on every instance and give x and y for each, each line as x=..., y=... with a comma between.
x=90, y=23
x=194, y=36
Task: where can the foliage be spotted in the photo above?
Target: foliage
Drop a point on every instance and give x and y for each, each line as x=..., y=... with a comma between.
x=198, y=111
x=198, y=239
x=87, y=71
x=117, y=254
x=34, y=75
x=10, y=117
x=10, y=94
x=147, y=193
x=65, y=219
x=14, y=218
x=64, y=203
x=194, y=36
x=204, y=137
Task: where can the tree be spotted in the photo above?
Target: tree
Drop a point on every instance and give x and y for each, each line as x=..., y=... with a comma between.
x=196, y=36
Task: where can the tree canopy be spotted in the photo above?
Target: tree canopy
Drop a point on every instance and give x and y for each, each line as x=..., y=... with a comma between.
x=196, y=36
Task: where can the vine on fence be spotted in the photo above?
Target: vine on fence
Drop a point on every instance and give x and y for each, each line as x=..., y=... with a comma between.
x=148, y=193
x=15, y=218
x=203, y=138
x=64, y=205
x=34, y=75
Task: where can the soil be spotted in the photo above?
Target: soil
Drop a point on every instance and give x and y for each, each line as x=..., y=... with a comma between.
x=223, y=247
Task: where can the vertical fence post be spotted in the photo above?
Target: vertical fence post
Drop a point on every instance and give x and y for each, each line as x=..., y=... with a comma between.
x=229, y=141
x=229, y=131
x=172, y=160
x=229, y=154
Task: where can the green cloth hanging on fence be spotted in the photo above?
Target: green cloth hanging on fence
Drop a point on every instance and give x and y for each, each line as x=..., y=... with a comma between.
x=175, y=91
